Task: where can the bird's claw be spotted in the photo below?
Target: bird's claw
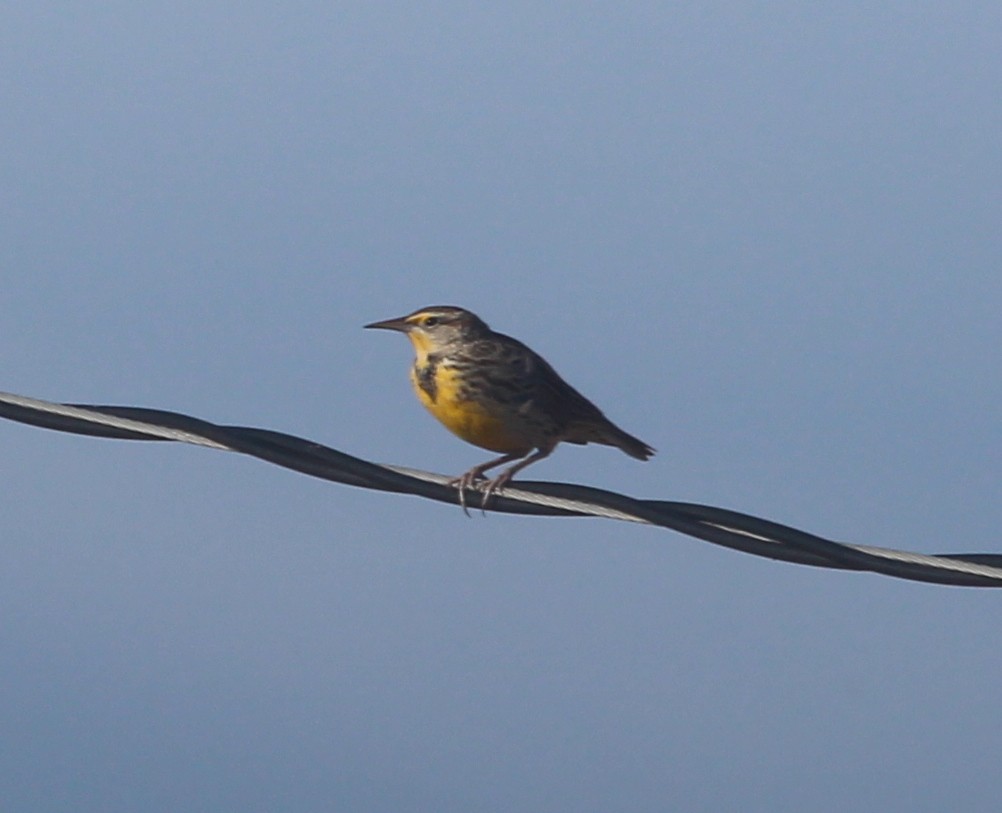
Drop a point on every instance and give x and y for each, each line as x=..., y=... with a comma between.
x=478, y=482
x=468, y=480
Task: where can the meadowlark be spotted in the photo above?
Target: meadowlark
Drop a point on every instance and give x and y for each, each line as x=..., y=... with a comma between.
x=496, y=393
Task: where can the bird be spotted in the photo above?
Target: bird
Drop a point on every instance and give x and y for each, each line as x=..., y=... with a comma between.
x=496, y=393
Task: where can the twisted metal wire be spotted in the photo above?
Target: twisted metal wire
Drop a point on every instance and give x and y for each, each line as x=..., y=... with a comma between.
x=730, y=529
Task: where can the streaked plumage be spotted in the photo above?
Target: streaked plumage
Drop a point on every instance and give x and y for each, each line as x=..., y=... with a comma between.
x=496, y=393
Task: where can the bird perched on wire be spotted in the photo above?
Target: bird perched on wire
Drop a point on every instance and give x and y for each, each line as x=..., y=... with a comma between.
x=496, y=393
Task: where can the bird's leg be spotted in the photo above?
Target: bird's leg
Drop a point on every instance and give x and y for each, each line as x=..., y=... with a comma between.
x=498, y=483
x=469, y=479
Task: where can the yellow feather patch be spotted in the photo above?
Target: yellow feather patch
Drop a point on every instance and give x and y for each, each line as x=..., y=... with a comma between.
x=469, y=420
x=423, y=345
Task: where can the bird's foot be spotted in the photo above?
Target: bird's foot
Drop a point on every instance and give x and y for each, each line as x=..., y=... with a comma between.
x=471, y=479
x=475, y=480
x=493, y=486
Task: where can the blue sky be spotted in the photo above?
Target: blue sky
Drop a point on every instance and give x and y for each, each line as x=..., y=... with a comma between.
x=763, y=238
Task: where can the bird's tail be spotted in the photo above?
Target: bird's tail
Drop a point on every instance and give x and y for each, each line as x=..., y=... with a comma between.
x=611, y=435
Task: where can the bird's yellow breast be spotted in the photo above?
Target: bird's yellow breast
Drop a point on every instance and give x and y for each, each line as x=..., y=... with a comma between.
x=473, y=421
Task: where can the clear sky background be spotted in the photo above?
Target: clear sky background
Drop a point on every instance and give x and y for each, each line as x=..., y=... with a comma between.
x=763, y=237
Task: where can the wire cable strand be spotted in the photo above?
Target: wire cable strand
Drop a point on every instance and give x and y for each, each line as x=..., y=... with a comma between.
x=729, y=529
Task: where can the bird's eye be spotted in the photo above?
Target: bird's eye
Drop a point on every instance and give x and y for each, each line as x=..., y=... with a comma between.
x=430, y=321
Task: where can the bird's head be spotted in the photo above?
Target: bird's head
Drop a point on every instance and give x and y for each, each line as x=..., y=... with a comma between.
x=436, y=327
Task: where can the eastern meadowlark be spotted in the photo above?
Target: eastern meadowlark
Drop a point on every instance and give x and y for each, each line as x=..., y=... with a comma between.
x=496, y=393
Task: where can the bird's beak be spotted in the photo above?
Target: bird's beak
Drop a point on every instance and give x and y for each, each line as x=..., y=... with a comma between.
x=392, y=324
